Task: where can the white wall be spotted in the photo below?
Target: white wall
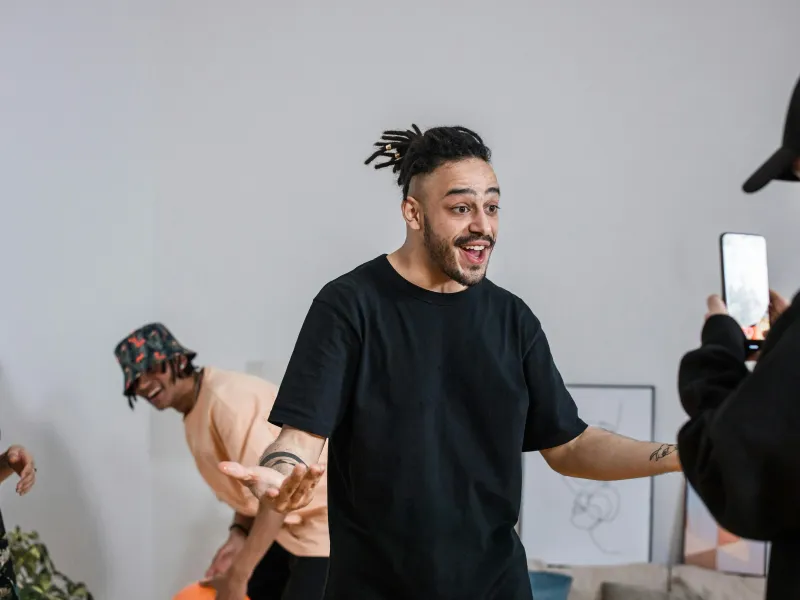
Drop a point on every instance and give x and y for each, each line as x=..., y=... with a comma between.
x=202, y=163
x=76, y=240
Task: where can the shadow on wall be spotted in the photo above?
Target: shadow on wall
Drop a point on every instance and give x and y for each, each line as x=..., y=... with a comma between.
x=57, y=507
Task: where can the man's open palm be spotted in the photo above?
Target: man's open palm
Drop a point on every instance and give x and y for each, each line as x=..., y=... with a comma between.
x=283, y=493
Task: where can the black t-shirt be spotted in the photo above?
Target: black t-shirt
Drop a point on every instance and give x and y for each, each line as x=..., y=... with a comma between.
x=429, y=400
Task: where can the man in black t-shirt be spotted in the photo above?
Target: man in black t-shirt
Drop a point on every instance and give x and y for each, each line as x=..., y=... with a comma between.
x=430, y=381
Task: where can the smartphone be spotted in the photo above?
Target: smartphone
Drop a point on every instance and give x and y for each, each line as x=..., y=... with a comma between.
x=745, y=284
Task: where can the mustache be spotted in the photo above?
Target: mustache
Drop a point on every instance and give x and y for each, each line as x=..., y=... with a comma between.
x=467, y=239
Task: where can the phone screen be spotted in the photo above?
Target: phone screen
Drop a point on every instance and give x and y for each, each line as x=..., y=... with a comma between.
x=746, y=284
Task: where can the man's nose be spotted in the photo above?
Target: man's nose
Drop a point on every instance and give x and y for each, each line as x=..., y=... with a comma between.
x=481, y=225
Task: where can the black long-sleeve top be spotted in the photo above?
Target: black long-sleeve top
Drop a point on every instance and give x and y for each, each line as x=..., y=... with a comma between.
x=740, y=449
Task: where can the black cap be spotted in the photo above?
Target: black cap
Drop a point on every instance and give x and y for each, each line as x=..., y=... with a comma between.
x=779, y=165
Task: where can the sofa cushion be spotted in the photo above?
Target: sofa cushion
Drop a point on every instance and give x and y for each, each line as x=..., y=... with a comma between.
x=713, y=585
x=587, y=581
x=623, y=591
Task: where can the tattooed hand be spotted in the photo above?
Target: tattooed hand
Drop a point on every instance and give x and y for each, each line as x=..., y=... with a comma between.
x=283, y=493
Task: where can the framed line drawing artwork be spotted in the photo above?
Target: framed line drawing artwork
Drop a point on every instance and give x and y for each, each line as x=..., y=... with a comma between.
x=569, y=521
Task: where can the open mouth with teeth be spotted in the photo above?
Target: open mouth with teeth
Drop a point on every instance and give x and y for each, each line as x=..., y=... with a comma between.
x=150, y=394
x=475, y=253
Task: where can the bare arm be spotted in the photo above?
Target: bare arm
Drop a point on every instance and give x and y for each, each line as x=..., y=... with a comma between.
x=601, y=455
x=262, y=534
x=242, y=521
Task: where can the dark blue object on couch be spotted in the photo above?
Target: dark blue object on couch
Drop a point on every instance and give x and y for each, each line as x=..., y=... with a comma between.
x=549, y=586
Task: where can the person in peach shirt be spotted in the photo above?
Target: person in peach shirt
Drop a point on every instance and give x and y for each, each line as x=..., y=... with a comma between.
x=274, y=556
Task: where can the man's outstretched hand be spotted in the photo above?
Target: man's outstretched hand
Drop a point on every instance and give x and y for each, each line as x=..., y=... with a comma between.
x=283, y=493
x=21, y=462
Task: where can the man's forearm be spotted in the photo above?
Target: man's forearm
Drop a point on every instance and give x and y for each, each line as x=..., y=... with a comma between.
x=290, y=448
x=242, y=522
x=602, y=455
x=263, y=531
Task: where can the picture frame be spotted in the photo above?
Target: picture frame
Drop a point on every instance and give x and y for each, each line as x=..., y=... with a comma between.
x=578, y=522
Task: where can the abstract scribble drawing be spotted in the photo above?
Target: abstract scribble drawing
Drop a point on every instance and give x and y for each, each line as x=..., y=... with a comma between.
x=596, y=502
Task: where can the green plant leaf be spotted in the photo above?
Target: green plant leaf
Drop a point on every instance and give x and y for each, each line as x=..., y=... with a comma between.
x=37, y=577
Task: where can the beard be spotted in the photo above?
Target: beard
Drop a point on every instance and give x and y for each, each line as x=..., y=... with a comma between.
x=443, y=252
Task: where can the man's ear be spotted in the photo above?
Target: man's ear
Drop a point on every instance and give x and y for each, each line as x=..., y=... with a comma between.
x=412, y=212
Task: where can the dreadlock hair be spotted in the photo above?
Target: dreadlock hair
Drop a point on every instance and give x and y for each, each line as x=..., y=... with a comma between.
x=177, y=371
x=413, y=152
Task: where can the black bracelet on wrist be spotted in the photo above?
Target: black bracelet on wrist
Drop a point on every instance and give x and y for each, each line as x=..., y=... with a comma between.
x=240, y=527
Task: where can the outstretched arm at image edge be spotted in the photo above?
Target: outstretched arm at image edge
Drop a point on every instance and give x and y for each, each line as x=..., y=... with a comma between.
x=740, y=449
x=569, y=446
x=606, y=456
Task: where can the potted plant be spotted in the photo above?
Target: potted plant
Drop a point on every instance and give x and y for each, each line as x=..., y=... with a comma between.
x=37, y=576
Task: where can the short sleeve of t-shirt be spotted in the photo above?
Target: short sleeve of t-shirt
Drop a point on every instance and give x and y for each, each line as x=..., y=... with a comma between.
x=318, y=382
x=242, y=428
x=552, y=415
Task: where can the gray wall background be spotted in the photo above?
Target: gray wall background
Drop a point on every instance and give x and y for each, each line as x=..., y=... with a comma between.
x=201, y=163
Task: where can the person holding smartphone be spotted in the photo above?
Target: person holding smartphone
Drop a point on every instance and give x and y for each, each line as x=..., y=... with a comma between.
x=740, y=449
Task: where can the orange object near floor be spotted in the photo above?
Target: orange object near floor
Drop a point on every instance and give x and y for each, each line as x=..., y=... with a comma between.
x=197, y=592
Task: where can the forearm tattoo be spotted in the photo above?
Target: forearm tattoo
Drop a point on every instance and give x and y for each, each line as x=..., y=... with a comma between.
x=280, y=461
x=663, y=451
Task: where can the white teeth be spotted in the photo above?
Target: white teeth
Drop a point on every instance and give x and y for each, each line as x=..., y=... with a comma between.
x=477, y=248
x=154, y=393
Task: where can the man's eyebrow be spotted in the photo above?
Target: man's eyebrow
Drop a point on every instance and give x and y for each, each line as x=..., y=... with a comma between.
x=471, y=192
x=461, y=192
